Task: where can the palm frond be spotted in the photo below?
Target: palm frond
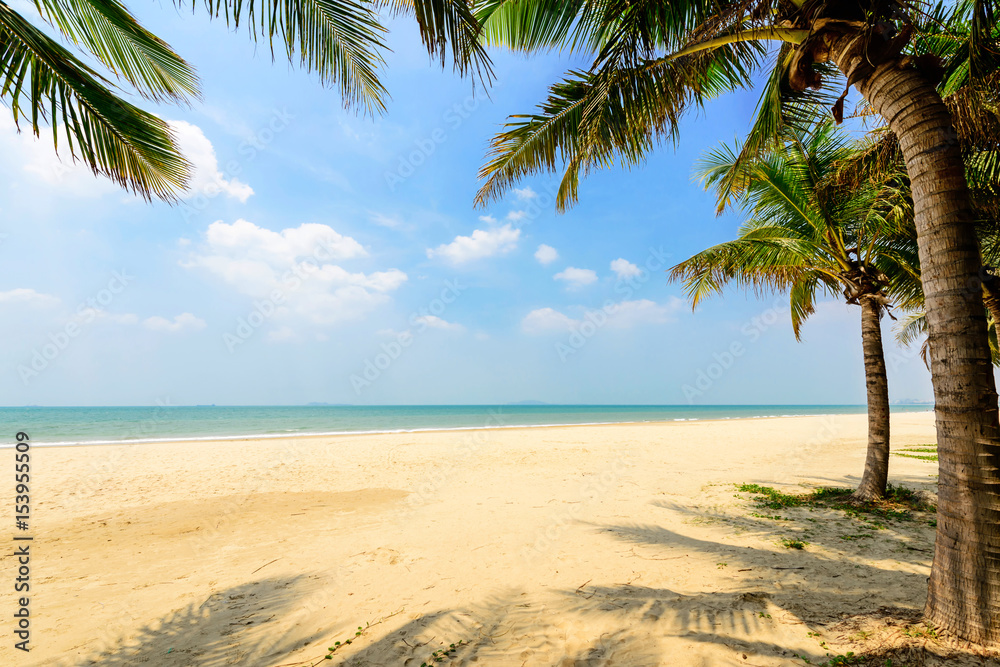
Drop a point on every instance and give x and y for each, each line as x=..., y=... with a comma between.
x=451, y=23
x=340, y=40
x=112, y=34
x=595, y=120
x=43, y=81
x=532, y=25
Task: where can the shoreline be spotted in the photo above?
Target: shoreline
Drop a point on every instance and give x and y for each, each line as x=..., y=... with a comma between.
x=433, y=429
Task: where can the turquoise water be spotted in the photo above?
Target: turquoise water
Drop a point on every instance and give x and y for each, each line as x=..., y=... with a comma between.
x=75, y=426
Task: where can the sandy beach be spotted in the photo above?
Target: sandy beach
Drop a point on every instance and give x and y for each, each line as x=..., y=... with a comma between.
x=583, y=545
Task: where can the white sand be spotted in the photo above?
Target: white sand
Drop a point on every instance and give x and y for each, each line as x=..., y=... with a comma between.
x=589, y=545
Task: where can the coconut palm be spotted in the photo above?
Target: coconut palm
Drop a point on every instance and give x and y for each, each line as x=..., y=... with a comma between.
x=802, y=240
x=654, y=60
x=47, y=85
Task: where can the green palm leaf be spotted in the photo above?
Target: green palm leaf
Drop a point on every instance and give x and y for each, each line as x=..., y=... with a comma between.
x=111, y=33
x=593, y=121
x=340, y=40
x=42, y=81
x=450, y=22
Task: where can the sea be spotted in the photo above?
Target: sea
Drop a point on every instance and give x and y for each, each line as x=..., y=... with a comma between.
x=64, y=426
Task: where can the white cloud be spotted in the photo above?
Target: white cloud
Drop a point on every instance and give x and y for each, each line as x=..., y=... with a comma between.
x=525, y=193
x=483, y=243
x=206, y=179
x=182, y=322
x=546, y=254
x=625, y=269
x=74, y=178
x=488, y=219
x=623, y=315
x=643, y=311
x=29, y=296
x=257, y=243
x=37, y=156
x=297, y=265
x=516, y=216
x=576, y=278
x=546, y=320
x=434, y=322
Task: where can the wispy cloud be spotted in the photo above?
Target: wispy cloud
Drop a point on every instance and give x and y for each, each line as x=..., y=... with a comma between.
x=182, y=322
x=623, y=315
x=29, y=296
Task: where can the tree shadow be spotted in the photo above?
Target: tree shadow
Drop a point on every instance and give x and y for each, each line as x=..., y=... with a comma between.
x=243, y=625
x=509, y=629
x=907, y=540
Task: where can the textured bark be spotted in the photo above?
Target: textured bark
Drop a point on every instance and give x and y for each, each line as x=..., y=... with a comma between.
x=964, y=589
x=876, y=475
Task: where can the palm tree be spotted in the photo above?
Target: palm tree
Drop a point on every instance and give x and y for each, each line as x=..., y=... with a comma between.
x=45, y=84
x=654, y=60
x=806, y=240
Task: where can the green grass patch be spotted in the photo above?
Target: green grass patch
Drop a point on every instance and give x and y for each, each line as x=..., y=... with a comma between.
x=769, y=497
x=899, y=503
x=921, y=452
x=922, y=457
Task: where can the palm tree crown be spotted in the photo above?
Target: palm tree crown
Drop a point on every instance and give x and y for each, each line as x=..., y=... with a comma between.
x=803, y=236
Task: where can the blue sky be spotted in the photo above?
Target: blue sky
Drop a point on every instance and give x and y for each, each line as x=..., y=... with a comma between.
x=326, y=256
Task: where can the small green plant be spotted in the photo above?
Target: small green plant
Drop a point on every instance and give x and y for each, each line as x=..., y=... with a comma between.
x=721, y=565
x=763, y=615
x=859, y=536
x=791, y=543
x=841, y=660
x=916, y=631
x=339, y=645
x=443, y=654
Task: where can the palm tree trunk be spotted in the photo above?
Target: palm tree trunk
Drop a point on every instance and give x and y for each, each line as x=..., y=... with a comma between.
x=876, y=475
x=963, y=594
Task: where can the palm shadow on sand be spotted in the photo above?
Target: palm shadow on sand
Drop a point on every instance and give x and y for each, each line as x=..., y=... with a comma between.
x=236, y=626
